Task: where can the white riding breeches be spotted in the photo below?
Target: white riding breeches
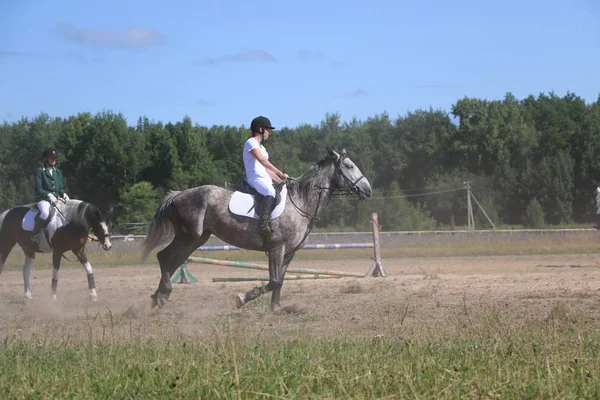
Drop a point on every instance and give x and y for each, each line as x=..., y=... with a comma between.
x=263, y=186
x=44, y=207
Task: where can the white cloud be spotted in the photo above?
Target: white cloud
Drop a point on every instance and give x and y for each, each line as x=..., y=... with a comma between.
x=130, y=37
x=356, y=93
x=242, y=56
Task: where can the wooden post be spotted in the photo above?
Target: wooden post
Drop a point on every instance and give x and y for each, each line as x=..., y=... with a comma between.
x=377, y=268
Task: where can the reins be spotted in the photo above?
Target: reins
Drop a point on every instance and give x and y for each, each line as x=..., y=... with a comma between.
x=352, y=188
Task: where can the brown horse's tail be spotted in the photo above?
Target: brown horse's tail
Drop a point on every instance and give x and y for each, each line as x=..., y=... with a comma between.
x=160, y=229
x=2, y=216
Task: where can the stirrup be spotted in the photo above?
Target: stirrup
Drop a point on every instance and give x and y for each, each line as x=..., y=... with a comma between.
x=266, y=229
x=36, y=237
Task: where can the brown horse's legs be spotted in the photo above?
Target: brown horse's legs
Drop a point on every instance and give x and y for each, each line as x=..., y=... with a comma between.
x=56, y=254
x=7, y=242
x=29, y=257
x=80, y=254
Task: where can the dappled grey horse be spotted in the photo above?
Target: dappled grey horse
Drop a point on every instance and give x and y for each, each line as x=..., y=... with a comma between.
x=192, y=215
x=69, y=228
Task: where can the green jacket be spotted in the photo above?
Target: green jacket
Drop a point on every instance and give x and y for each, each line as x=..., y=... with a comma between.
x=46, y=183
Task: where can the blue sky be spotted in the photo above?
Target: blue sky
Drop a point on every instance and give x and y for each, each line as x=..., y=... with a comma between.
x=224, y=62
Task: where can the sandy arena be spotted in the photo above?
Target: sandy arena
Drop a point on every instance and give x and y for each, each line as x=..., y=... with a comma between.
x=419, y=295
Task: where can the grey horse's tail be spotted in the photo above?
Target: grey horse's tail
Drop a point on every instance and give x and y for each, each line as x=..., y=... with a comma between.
x=160, y=229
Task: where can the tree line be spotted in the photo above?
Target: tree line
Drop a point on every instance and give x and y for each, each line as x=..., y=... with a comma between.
x=531, y=162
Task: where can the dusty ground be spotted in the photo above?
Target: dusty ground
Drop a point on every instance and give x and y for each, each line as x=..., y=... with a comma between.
x=424, y=294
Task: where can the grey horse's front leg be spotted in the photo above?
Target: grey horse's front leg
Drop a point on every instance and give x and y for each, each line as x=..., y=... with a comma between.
x=276, y=296
x=275, y=281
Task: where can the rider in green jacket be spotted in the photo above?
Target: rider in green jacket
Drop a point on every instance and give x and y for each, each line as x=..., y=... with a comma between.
x=49, y=186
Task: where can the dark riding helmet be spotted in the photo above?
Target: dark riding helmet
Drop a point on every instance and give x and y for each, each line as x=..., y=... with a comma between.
x=49, y=152
x=260, y=122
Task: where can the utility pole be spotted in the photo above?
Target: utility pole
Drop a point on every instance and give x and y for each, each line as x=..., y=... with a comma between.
x=470, y=219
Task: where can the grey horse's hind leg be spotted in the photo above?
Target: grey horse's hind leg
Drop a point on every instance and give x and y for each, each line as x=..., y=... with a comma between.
x=276, y=274
x=171, y=258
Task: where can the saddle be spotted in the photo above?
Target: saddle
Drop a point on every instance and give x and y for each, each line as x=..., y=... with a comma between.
x=48, y=231
x=244, y=187
x=50, y=214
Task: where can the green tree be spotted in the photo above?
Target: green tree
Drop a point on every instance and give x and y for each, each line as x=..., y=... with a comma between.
x=139, y=202
x=534, y=215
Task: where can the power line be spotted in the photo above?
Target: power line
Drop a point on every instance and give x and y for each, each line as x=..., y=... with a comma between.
x=414, y=194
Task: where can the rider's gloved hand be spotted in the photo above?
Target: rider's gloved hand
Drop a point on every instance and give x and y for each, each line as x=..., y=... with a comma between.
x=65, y=196
x=51, y=198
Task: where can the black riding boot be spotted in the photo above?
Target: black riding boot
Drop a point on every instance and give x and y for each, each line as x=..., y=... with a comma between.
x=36, y=234
x=268, y=206
x=597, y=226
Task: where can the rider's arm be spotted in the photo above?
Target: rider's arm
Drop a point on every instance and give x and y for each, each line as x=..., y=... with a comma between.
x=61, y=189
x=273, y=172
x=39, y=190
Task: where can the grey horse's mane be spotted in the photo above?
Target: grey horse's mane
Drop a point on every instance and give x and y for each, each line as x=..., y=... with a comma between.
x=306, y=183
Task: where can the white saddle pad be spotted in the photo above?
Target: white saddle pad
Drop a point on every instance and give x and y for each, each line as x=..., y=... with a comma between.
x=29, y=222
x=243, y=204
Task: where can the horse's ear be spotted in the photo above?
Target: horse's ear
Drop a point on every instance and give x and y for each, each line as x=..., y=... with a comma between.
x=334, y=154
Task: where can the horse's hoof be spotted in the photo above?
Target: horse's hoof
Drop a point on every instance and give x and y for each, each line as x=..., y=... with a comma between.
x=94, y=298
x=157, y=301
x=28, y=297
x=54, y=297
x=277, y=310
x=240, y=300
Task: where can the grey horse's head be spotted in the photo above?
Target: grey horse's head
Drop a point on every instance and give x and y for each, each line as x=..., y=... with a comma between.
x=349, y=176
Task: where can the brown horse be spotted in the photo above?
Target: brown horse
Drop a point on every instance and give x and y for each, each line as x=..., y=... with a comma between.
x=69, y=228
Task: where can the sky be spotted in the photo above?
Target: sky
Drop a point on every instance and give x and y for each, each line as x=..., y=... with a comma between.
x=225, y=62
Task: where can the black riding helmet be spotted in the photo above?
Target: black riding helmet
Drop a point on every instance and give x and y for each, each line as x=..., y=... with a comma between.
x=49, y=152
x=260, y=122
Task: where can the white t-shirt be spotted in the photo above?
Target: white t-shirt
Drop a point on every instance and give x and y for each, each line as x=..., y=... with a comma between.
x=254, y=169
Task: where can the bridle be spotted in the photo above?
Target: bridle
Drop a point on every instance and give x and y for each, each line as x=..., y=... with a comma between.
x=352, y=188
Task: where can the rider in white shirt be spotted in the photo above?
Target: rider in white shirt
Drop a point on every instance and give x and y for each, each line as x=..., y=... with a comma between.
x=260, y=172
